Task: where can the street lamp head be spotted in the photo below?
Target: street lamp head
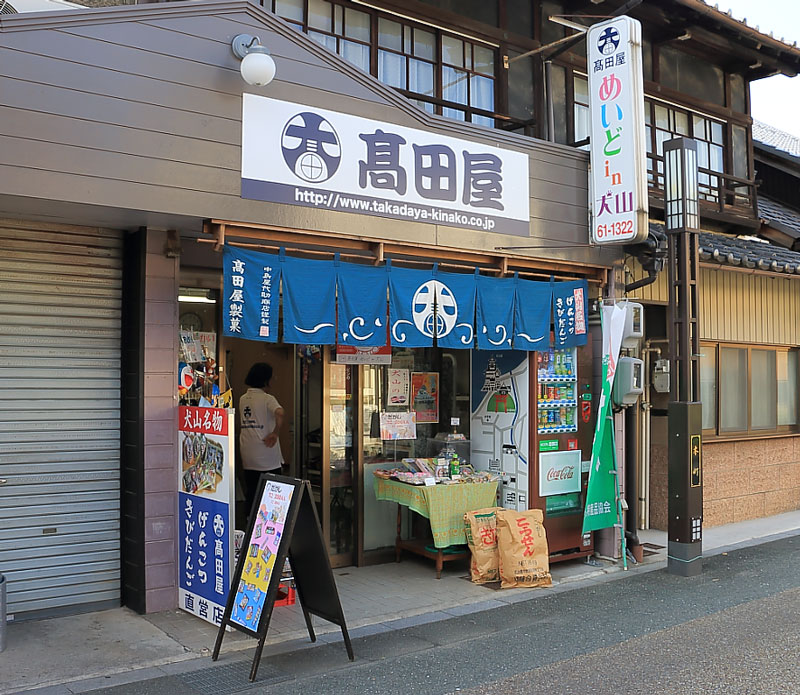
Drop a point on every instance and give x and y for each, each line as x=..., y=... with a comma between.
x=257, y=67
x=681, y=194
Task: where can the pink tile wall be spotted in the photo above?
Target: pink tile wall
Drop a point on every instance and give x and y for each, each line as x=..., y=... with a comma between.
x=161, y=421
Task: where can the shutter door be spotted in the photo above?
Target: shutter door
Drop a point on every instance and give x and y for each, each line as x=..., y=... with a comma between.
x=60, y=307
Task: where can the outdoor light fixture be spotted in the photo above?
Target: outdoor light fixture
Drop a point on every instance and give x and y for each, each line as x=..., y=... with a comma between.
x=681, y=196
x=257, y=66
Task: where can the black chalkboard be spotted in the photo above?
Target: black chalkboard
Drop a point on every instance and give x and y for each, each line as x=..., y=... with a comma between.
x=283, y=521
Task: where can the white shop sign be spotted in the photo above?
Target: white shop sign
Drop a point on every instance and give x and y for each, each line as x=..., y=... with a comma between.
x=302, y=155
x=617, y=144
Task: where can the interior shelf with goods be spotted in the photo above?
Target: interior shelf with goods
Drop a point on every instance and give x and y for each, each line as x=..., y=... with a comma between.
x=557, y=399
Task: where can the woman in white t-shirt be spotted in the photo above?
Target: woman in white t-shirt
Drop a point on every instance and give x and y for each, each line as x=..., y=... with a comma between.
x=260, y=418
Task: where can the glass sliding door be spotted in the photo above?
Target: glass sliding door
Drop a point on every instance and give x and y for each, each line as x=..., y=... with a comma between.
x=327, y=396
x=341, y=466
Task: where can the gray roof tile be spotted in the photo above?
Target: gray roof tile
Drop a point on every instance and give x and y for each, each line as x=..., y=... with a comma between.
x=776, y=138
x=745, y=253
x=777, y=213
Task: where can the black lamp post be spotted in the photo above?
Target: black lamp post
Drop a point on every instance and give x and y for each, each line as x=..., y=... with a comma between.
x=685, y=476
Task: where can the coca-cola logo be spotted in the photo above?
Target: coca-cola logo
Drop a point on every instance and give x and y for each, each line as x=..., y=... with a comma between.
x=565, y=473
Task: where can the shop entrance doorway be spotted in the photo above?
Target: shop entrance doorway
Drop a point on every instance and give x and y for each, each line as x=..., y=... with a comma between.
x=240, y=356
x=326, y=424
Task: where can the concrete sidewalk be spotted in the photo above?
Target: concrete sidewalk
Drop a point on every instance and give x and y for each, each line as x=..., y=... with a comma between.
x=81, y=653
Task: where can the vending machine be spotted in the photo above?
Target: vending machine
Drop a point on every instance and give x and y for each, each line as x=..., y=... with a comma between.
x=562, y=430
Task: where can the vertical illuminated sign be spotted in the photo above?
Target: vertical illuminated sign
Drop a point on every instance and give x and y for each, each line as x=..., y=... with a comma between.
x=617, y=144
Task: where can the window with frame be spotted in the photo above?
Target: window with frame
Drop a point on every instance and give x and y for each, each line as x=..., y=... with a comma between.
x=580, y=108
x=450, y=75
x=748, y=390
x=343, y=30
x=664, y=122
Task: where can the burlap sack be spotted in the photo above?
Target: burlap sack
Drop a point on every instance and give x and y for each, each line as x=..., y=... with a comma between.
x=481, y=530
x=522, y=549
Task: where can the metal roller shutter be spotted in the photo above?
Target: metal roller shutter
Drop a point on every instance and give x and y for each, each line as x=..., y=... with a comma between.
x=60, y=310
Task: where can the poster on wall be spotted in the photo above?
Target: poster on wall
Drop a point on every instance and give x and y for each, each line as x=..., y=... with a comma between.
x=398, y=426
x=399, y=385
x=499, y=421
x=206, y=504
x=425, y=396
x=261, y=550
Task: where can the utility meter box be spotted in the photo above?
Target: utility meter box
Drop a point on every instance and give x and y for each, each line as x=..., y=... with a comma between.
x=661, y=376
x=628, y=381
x=634, y=325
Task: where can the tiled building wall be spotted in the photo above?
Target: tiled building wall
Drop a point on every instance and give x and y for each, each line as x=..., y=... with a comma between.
x=160, y=423
x=741, y=480
x=750, y=479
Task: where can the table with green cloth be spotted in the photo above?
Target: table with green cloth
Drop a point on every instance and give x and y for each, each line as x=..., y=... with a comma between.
x=444, y=506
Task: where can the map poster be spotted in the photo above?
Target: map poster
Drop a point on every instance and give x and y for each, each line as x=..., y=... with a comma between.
x=425, y=396
x=499, y=422
x=261, y=550
x=205, y=499
x=398, y=426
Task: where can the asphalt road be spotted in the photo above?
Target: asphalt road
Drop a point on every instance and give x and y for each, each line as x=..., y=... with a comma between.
x=734, y=629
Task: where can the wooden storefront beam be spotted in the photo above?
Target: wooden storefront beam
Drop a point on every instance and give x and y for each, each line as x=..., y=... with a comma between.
x=373, y=251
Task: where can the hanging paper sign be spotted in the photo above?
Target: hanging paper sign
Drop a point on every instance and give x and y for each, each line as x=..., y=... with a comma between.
x=251, y=294
x=207, y=342
x=309, y=301
x=532, y=315
x=455, y=309
x=570, y=316
x=205, y=498
x=412, y=302
x=425, y=396
x=350, y=354
x=398, y=426
x=362, y=305
x=398, y=387
x=190, y=349
x=495, y=316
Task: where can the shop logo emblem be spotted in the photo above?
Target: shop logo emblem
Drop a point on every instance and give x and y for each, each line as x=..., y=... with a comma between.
x=608, y=41
x=439, y=322
x=218, y=525
x=311, y=147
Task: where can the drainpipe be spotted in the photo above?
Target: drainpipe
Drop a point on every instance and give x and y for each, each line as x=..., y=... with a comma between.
x=632, y=454
x=548, y=87
x=644, y=468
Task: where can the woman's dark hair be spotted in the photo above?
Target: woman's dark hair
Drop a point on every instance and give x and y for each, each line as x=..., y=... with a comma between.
x=259, y=375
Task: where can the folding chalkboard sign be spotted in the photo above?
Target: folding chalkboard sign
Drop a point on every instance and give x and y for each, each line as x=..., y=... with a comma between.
x=283, y=522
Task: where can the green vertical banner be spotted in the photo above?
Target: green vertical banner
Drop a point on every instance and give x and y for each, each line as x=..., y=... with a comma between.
x=601, y=498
